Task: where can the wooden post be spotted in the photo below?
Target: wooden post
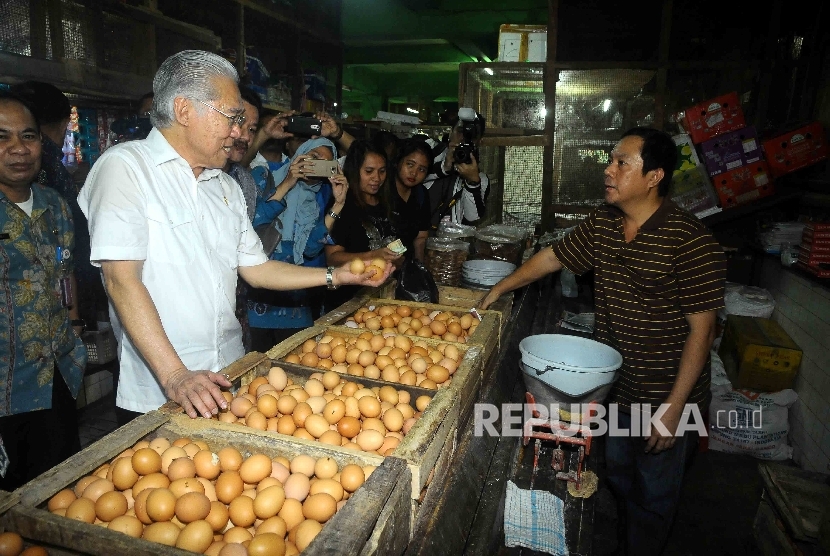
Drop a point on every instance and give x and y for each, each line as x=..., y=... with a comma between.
x=240, y=40
x=56, y=28
x=338, y=92
x=37, y=28
x=551, y=76
x=767, y=69
x=663, y=69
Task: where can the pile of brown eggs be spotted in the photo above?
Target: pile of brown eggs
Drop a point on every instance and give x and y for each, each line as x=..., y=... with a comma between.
x=393, y=358
x=403, y=319
x=11, y=544
x=182, y=494
x=328, y=409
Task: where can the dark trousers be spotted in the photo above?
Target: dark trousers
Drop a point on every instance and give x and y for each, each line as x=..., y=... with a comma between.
x=263, y=339
x=36, y=441
x=648, y=486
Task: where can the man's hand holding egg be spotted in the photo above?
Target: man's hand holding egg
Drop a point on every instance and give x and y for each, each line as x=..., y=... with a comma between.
x=363, y=273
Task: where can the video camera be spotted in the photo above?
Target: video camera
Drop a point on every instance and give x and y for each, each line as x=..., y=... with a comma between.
x=471, y=126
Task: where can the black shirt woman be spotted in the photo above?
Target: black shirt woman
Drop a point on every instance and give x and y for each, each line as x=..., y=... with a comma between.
x=409, y=198
x=364, y=228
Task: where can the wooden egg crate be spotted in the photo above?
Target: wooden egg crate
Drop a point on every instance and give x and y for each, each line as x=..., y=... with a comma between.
x=466, y=298
x=487, y=334
x=421, y=447
x=346, y=532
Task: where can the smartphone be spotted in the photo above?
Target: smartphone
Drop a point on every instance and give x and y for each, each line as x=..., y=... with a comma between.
x=322, y=168
x=303, y=125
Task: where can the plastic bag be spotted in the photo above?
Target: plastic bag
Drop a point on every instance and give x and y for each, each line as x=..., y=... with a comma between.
x=455, y=231
x=415, y=283
x=444, y=258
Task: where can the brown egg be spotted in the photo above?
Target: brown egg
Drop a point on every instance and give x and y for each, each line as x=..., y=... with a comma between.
x=82, y=509
x=339, y=354
x=310, y=359
x=393, y=419
x=241, y=511
x=161, y=504
x=210, y=490
x=207, y=464
x=256, y=383
x=286, y=425
x=266, y=544
x=269, y=502
x=297, y=486
x=437, y=374
x=267, y=405
x=140, y=506
x=352, y=477
x=96, y=488
x=306, y=531
x=329, y=486
x=348, y=427
x=302, y=433
x=196, y=537
x=146, y=461
x=291, y=513
x=180, y=487
x=164, y=532
x=127, y=524
x=319, y=507
x=369, y=440
x=238, y=535
x=408, y=378
x=229, y=458
x=286, y=404
x=422, y=402
x=110, y=505
x=11, y=544
x=192, y=506
x=181, y=468
x=63, y=499
x=218, y=516
x=406, y=410
x=277, y=378
x=300, y=413
x=257, y=420
x=369, y=406
x=255, y=468
x=292, y=358
x=228, y=486
x=309, y=346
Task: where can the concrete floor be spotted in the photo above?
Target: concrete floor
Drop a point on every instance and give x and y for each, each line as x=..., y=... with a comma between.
x=720, y=497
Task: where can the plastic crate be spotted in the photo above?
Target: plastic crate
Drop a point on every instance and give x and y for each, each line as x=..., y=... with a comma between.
x=100, y=346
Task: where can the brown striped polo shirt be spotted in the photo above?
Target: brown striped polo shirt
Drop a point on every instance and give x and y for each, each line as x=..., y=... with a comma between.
x=643, y=290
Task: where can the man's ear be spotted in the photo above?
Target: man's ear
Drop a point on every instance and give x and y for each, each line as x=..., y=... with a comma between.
x=655, y=177
x=183, y=110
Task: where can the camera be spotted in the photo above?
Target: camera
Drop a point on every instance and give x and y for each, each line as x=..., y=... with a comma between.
x=304, y=126
x=471, y=127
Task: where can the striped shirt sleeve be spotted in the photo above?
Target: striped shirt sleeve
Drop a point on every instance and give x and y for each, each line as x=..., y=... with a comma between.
x=576, y=250
x=701, y=273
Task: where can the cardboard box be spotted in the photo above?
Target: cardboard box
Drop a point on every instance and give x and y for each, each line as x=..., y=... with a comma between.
x=796, y=149
x=713, y=117
x=743, y=185
x=731, y=150
x=758, y=354
x=523, y=43
x=691, y=188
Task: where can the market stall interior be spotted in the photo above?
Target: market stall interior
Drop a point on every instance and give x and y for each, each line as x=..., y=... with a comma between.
x=380, y=429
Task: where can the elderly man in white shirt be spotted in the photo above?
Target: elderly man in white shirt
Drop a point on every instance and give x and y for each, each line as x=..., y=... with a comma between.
x=170, y=232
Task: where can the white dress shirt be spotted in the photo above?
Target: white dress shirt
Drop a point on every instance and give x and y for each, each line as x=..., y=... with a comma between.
x=144, y=204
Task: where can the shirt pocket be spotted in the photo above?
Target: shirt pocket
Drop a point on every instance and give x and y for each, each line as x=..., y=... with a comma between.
x=227, y=239
x=172, y=235
x=652, y=284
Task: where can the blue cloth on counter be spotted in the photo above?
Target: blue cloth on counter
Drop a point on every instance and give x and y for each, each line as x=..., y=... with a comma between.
x=534, y=519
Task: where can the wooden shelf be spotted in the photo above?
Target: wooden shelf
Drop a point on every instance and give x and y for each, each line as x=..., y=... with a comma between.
x=749, y=208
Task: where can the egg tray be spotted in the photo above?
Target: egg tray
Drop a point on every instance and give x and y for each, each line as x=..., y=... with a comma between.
x=465, y=298
x=346, y=532
x=487, y=334
x=422, y=446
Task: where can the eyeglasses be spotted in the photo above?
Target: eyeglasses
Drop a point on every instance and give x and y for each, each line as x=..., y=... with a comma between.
x=238, y=120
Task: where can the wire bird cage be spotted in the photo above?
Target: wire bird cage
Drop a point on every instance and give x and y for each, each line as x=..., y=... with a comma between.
x=593, y=108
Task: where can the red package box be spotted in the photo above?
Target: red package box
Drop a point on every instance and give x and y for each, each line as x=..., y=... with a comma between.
x=731, y=150
x=818, y=270
x=714, y=117
x=811, y=258
x=796, y=149
x=743, y=185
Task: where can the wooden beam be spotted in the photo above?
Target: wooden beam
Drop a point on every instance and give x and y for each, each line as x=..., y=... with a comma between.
x=768, y=68
x=37, y=28
x=300, y=26
x=551, y=77
x=72, y=76
x=158, y=19
x=56, y=28
x=514, y=140
x=662, y=72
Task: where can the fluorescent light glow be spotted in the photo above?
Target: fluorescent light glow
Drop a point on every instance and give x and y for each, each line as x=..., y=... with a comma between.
x=606, y=105
x=544, y=112
x=335, y=104
x=488, y=71
x=411, y=110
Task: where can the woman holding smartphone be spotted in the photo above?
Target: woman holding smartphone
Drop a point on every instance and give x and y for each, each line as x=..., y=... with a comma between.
x=364, y=228
x=295, y=202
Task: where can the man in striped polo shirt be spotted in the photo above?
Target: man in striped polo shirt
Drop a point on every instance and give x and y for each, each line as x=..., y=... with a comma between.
x=659, y=281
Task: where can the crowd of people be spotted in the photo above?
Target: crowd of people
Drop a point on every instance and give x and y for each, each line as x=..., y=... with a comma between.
x=209, y=230
x=227, y=230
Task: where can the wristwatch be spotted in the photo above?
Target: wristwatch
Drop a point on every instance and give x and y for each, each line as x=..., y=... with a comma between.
x=330, y=278
x=334, y=215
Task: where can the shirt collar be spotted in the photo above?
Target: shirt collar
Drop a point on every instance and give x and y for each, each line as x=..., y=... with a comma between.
x=161, y=151
x=656, y=220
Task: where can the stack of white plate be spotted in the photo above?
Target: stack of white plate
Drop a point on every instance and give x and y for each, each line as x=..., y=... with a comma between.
x=484, y=273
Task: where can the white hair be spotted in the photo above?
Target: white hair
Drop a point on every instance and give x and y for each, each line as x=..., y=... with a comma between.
x=188, y=74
